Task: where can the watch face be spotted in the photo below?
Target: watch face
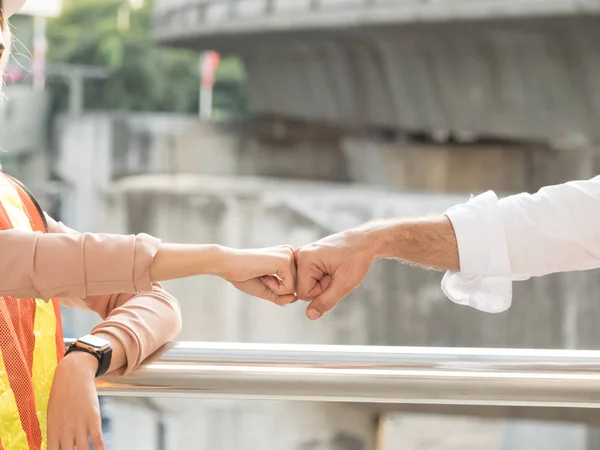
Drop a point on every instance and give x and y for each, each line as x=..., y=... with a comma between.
x=94, y=341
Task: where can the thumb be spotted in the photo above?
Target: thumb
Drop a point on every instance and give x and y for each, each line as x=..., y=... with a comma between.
x=327, y=300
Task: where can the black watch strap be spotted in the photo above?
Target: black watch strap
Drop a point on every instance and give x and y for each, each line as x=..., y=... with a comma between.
x=104, y=357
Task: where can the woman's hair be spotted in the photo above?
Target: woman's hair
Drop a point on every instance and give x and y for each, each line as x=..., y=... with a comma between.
x=5, y=30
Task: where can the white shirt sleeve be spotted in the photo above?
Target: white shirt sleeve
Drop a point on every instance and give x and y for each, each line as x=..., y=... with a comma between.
x=522, y=236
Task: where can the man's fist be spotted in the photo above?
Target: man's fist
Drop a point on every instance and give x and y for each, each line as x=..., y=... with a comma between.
x=330, y=269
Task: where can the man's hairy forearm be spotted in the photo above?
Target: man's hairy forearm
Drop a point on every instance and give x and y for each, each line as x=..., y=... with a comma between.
x=428, y=242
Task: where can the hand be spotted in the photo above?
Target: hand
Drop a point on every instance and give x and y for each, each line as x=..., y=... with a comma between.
x=73, y=409
x=268, y=273
x=332, y=268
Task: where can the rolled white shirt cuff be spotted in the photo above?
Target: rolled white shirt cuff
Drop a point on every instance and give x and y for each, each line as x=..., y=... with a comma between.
x=484, y=281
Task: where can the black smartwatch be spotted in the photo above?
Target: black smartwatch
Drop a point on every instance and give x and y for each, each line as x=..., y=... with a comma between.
x=97, y=347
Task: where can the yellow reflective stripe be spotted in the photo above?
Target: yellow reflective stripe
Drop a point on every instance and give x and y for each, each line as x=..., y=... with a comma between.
x=44, y=361
x=44, y=327
x=12, y=435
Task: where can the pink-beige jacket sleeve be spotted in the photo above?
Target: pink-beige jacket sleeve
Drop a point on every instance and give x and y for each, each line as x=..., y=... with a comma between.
x=65, y=264
x=142, y=322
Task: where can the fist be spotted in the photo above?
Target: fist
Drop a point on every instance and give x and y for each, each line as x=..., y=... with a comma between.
x=268, y=273
x=331, y=269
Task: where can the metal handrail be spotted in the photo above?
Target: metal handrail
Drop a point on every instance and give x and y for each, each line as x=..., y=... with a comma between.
x=492, y=377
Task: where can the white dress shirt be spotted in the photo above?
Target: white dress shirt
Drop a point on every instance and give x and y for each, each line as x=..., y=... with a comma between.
x=522, y=236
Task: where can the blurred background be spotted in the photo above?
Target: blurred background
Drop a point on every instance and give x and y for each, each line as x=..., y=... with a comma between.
x=254, y=123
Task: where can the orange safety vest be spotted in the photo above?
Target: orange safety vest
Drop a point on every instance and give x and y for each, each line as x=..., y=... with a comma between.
x=31, y=339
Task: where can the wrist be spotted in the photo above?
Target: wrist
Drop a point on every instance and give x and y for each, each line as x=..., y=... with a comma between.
x=219, y=261
x=82, y=362
x=209, y=259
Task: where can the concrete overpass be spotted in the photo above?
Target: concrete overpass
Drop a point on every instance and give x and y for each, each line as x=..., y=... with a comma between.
x=518, y=70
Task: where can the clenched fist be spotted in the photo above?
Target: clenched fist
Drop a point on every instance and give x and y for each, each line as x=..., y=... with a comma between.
x=268, y=273
x=330, y=269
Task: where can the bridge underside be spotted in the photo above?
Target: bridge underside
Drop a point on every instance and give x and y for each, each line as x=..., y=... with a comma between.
x=525, y=79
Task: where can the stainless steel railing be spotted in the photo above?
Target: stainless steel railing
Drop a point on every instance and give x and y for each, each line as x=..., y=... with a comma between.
x=367, y=374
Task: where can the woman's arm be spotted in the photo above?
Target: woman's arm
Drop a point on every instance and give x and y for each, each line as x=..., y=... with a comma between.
x=136, y=326
x=66, y=264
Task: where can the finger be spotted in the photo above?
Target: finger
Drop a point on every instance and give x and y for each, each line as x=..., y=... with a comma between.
x=273, y=283
x=53, y=443
x=283, y=300
x=276, y=285
x=97, y=439
x=67, y=444
x=319, y=287
x=273, y=296
x=326, y=301
x=287, y=273
x=294, y=269
x=82, y=442
x=325, y=282
x=257, y=288
x=308, y=277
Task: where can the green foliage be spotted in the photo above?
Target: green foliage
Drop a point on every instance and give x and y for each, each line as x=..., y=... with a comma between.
x=144, y=76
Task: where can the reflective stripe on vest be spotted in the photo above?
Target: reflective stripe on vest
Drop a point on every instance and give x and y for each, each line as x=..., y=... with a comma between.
x=46, y=328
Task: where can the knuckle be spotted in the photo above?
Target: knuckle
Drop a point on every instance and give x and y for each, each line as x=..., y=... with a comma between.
x=301, y=255
x=285, y=259
x=285, y=251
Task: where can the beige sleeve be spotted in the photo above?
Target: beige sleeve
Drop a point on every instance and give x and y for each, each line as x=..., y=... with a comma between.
x=63, y=263
x=142, y=322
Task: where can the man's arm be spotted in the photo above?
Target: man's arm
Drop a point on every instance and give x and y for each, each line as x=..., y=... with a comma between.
x=484, y=245
x=427, y=242
x=330, y=269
